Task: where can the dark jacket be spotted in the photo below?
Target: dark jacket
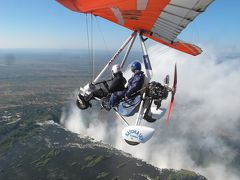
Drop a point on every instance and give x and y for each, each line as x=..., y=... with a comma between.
x=118, y=83
x=135, y=83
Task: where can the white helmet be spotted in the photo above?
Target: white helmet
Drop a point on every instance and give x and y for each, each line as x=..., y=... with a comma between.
x=116, y=68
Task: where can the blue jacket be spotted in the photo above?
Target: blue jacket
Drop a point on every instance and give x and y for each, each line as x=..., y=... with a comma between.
x=135, y=83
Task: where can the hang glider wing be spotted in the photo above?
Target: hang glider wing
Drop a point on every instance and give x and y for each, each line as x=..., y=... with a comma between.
x=160, y=20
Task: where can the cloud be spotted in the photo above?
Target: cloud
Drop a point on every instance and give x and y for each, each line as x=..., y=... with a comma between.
x=204, y=129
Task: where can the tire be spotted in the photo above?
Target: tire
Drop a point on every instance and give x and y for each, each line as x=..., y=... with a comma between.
x=149, y=118
x=131, y=143
x=81, y=103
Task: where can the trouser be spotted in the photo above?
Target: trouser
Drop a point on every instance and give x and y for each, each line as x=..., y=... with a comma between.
x=116, y=97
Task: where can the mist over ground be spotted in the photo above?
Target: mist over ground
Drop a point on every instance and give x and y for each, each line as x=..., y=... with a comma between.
x=203, y=133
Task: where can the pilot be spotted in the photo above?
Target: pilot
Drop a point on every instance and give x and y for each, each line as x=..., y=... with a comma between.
x=135, y=83
x=117, y=83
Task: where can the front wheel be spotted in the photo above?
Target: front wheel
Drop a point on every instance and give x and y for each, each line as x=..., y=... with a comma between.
x=81, y=103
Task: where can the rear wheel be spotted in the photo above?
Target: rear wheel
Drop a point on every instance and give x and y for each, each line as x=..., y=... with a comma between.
x=132, y=143
x=149, y=119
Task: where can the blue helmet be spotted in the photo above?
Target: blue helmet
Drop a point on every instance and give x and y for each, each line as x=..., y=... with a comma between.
x=136, y=66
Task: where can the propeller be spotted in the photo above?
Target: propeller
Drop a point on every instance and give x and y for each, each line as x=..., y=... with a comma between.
x=173, y=91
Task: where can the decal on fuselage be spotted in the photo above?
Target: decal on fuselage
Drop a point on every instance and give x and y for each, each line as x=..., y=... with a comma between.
x=134, y=133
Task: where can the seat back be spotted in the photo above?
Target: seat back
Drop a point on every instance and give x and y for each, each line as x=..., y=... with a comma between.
x=145, y=84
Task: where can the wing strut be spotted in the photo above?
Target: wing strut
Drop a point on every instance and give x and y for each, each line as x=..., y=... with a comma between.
x=133, y=35
x=128, y=51
x=147, y=63
x=122, y=118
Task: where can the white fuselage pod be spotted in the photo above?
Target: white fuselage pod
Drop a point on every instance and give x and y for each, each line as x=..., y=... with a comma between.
x=137, y=134
x=87, y=89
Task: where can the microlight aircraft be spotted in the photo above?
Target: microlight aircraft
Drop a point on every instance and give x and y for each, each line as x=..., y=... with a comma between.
x=159, y=20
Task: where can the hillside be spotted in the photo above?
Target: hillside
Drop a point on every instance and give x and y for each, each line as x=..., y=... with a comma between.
x=48, y=151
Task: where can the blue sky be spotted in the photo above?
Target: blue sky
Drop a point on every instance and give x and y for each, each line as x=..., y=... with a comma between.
x=47, y=24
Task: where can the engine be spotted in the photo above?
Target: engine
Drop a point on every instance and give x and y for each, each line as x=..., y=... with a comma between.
x=157, y=92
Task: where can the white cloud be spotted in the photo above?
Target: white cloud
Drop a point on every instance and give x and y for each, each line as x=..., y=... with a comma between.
x=206, y=115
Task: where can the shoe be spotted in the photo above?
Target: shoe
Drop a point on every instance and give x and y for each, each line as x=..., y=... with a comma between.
x=88, y=97
x=105, y=106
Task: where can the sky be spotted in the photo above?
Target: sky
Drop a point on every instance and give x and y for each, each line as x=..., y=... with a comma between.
x=47, y=24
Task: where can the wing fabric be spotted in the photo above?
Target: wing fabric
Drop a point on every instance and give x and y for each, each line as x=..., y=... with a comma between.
x=160, y=20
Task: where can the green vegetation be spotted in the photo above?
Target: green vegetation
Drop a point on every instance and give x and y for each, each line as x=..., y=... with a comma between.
x=1, y=156
x=93, y=161
x=116, y=178
x=4, y=129
x=90, y=157
x=187, y=172
x=102, y=175
x=108, y=156
x=121, y=165
x=45, y=158
x=156, y=178
x=6, y=145
x=19, y=135
x=74, y=163
x=182, y=174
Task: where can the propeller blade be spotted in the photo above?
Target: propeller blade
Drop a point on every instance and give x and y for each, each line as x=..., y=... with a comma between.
x=173, y=94
x=170, y=110
x=175, y=79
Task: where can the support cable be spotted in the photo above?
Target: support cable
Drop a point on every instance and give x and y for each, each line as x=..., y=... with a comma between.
x=88, y=42
x=92, y=48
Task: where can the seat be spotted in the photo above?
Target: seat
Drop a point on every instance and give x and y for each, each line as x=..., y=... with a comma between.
x=129, y=107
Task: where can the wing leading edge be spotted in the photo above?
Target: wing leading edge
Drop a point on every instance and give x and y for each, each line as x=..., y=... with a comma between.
x=161, y=21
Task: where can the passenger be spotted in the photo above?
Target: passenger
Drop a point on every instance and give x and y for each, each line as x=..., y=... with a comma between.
x=135, y=83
